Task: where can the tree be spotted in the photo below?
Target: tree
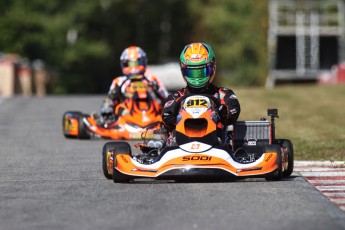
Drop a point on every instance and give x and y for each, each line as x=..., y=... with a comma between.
x=82, y=40
x=236, y=31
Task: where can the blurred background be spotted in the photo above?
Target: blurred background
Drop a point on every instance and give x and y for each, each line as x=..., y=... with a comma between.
x=74, y=47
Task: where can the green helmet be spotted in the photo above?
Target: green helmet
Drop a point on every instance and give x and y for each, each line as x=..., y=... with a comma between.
x=198, y=65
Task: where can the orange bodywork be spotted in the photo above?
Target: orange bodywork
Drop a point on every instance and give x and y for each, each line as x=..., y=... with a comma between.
x=196, y=132
x=136, y=113
x=268, y=164
x=204, y=118
x=118, y=131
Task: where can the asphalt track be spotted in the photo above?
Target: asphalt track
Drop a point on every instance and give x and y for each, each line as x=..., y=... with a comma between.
x=49, y=182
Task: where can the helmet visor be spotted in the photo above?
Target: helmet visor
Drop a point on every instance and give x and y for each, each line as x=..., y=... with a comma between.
x=134, y=63
x=197, y=76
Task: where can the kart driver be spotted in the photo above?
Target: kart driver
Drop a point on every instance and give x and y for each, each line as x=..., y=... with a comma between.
x=133, y=64
x=198, y=66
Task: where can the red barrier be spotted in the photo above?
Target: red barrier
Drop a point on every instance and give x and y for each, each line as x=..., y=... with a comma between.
x=341, y=73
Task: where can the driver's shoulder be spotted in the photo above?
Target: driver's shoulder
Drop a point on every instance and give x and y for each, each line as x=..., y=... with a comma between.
x=177, y=93
x=150, y=77
x=225, y=90
x=119, y=79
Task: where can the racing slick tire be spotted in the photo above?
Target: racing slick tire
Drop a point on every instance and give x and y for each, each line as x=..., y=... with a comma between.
x=65, y=120
x=110, y=146
x=278, y=173
x=123, y=148
x=82, y=131
x=289, y=147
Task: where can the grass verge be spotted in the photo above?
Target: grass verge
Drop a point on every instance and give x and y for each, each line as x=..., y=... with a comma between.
x=311, y=116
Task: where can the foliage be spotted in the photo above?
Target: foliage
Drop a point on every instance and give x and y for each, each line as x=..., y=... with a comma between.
x=237, y=31
x=82, y=40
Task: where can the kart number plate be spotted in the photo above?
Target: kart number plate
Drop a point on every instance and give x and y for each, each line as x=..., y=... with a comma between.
x=196, y=105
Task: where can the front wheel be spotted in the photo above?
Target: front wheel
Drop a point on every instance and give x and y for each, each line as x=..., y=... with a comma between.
x=82, y=131
x=120, y=148
x=107, y=159
x=278, y=173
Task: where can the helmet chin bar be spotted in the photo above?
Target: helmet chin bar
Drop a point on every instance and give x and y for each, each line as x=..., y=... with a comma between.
x=198, y=90
x=191, y=85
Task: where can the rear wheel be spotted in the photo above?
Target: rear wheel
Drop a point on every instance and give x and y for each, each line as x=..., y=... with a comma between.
x=288, y=147
x=277, y=174
x=120, y=148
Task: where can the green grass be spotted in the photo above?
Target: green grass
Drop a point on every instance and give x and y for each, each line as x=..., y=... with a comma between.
x=311, y=116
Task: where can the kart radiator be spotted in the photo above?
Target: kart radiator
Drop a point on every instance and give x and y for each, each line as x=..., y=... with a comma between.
x=245, y=131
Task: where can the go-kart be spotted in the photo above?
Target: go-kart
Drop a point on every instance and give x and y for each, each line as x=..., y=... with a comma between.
x=195, y=151
x=136, y=114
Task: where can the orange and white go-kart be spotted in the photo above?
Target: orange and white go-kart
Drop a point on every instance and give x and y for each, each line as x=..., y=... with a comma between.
x=197, y=152
x=137, y=114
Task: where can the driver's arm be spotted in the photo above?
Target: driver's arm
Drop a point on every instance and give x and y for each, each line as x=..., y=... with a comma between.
x=168, y=111
x=158, y=88
x=233, y=108
x=115, y=93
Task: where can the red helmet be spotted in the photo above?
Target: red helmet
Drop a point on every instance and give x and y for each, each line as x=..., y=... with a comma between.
x=133, y=61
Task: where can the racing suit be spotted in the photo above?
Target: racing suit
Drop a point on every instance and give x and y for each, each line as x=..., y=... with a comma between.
x=123, y=88
x=229, y=110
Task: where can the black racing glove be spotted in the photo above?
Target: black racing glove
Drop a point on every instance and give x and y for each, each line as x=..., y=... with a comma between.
x=224, y=114
x=154, y=85
x=112, y=94
x=169, y=120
